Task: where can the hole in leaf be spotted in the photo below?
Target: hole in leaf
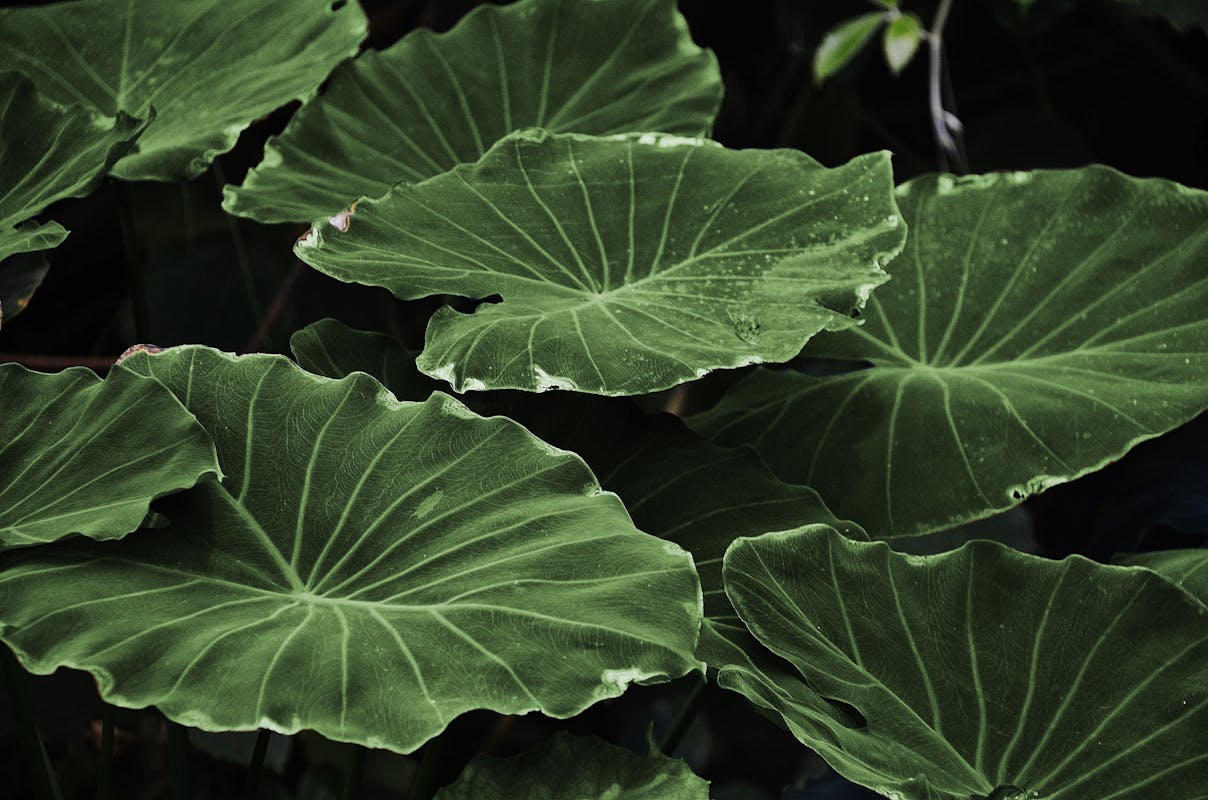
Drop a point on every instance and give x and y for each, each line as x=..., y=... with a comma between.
x=338, y=4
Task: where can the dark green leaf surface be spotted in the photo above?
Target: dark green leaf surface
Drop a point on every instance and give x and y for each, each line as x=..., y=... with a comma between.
x=82, y=455
x=48, y=152
x=577, y=768
x=205, y=69
x=1188, y=569
x=332, y=349
x=626, y=265
x=433, y=101
x=1037, y=327
x=369, y=569
x=979, y=673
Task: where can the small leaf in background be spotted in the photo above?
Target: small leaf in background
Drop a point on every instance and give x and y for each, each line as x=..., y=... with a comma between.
x=435, y=100
x=82, y=455
x=978, y=673
x=901, y=40
x=20, y=276
x=368, y=569
x=205, y=69
x=844, y=43
x=48, y=152
x=1038, y=326
x=626, y=264
x=577, y=768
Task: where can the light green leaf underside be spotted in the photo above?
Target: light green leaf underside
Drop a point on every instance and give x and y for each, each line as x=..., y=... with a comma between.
x=577, y=768
x=675, y=485
x=1037, y=327
x=369, y=570
x=433, y=101
x=48, y=152
x=206, y=69
x=844, y=43
x=979, y=669
x=82, y=455
x=1188, y=569
x=626, y=265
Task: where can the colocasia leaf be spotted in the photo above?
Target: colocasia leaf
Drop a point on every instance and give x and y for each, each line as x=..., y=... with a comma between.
x=369, y=569
x=577, y=768
x=1188, y=569
x=205, y=68
x=981, y=673
x=433, y=101
x=626, y=264
x=48, y=152
x=82, y=455
x=1038, y=326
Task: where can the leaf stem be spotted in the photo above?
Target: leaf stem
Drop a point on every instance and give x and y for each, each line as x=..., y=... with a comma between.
x=424, y=785
x=354, y=775
x=178, y=760
x=251, y=786
x=683, y=717
x=134, y=266
x=944, y=124
x=41, y=776
x=104, y=772
x=241, y=256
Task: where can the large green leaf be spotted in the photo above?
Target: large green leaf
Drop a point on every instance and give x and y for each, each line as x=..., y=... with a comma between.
x=577, y=768
x=48, y=152
x=433, y=101
x=207, y=68
x=369, y=569
x=979, y=673
x=1038, y=326
x=674, y=484
x=82, y=455
x=626, y=265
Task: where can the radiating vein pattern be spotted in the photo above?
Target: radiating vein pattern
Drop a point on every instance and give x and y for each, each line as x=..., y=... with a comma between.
x=1038, y=325
x=568, y=766
x=977, y=670
x=625, y=264
x=433, y=101
x=82, y=455
x=203, y=69
x=49, y=151
x=368, y=569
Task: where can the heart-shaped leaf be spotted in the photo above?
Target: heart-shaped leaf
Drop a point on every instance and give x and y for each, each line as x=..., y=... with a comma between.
x=1038, y=326
x=577, y=768
x=433, y=101
x=981, y=673
x=205, y=68
x=82, y=455
x=369, y=569
x=626, y=265
x=48, y=152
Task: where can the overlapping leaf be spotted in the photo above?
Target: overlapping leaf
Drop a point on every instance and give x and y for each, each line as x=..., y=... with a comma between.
x=205, y=68
x=981, y=673
x=332, y=349
x=433, y=101
x=369, y=569
x=82, y=455
x=1187, y=569
x=1037, y=327
x=577, y=768
x=48, y=152
x=626, y=265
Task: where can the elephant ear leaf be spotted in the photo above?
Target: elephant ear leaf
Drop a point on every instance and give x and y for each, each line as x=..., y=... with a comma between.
x=435, y=100
x=1032, y=686
x=626, y=265
x=206, y=68
x=49, y=152
x=577, y=768
x=82, y=455
x=1038, y=326
x=368, y=569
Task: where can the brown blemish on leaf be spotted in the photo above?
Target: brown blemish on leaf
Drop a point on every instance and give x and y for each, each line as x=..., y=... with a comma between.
x=134, y=350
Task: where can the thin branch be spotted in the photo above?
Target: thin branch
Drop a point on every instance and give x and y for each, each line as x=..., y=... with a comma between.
x=944, y=124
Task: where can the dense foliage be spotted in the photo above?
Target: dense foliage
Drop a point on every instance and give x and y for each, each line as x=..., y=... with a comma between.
x=704, y=450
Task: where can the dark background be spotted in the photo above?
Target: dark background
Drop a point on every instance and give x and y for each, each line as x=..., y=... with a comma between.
x=1068, y=84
